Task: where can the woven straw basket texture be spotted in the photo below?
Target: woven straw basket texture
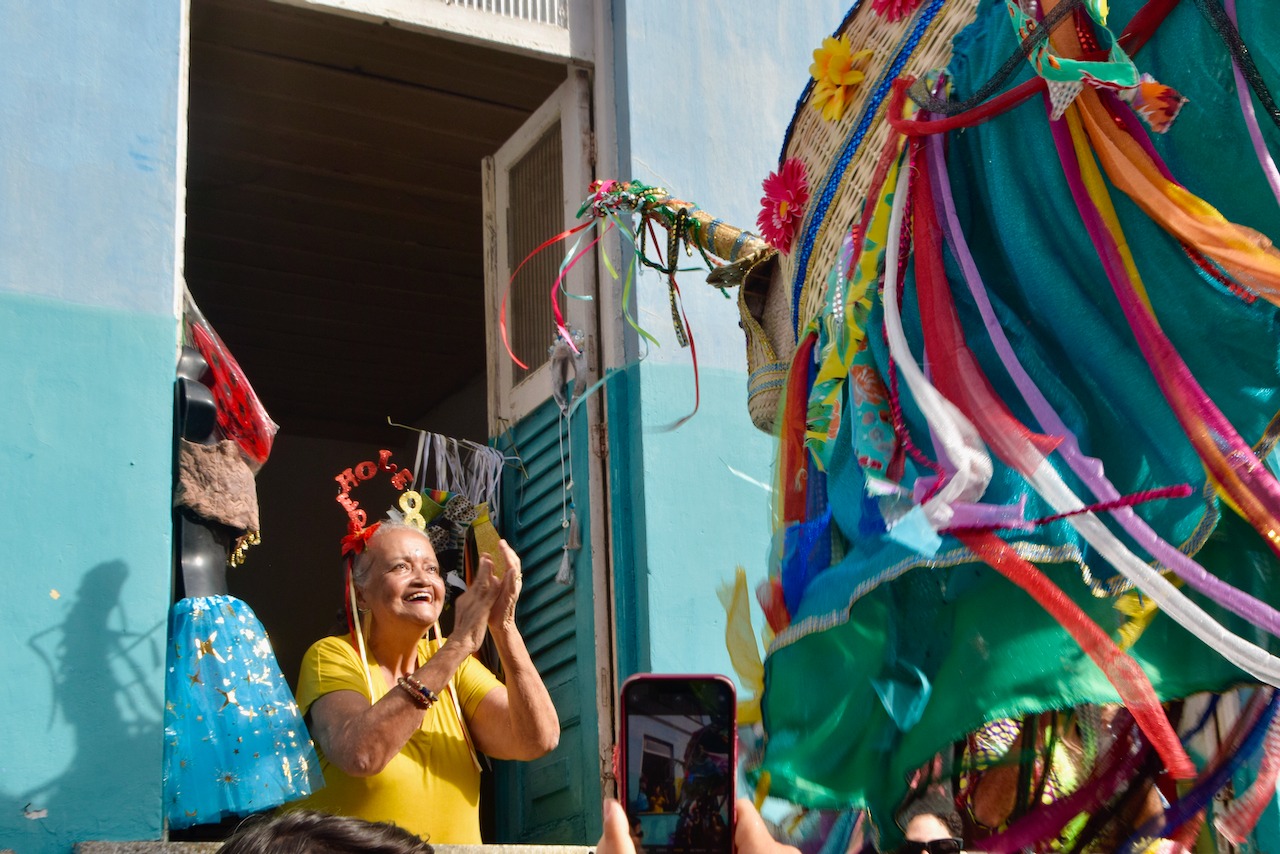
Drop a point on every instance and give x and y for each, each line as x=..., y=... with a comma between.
x=750, y=269
x=751, y=266
x=839, y=159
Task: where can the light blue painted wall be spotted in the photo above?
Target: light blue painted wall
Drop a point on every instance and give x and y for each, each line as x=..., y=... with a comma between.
x=88, y=115
x=705, y=94
x=89, y=96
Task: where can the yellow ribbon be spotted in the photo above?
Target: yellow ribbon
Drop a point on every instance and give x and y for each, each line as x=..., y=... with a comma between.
x=740, y=639
x=1140, y=610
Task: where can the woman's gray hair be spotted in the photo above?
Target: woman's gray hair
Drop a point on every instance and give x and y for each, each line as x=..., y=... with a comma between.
x=360, y=566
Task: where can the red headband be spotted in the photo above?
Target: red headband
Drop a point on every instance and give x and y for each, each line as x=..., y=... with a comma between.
x=357, y=533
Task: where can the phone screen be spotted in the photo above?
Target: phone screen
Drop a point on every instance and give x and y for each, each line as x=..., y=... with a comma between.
x=678, y=763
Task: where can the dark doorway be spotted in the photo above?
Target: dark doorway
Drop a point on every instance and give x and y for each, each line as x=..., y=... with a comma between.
x=333, y=239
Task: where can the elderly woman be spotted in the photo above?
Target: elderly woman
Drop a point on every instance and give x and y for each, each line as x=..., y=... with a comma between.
x=397, y=739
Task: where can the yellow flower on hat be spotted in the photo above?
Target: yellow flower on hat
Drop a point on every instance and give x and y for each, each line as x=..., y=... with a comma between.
x=836, y=75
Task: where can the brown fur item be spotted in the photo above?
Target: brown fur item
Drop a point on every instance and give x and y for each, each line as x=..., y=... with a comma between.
x=216, y=483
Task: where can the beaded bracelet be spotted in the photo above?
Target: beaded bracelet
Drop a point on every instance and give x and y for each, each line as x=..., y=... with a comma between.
x=422, y=696
x=427, y=694
x=418, y=699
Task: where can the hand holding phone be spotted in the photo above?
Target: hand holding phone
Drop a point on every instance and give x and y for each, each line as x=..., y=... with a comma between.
x=750, y=835
x=678, y=762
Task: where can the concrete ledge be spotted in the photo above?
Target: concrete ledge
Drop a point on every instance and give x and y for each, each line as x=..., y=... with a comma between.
x=212, y=847
x=147, y=847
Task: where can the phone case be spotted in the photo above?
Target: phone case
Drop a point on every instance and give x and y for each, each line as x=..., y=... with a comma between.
x=694, y=762
x=482, y=538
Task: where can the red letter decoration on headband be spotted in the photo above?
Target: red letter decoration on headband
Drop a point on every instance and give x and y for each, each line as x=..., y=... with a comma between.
x=357, y=533
x=346, y=480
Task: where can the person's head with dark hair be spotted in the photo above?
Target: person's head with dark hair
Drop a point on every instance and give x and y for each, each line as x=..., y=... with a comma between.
x=305, y=832
x=931, y=824
x=637, y=833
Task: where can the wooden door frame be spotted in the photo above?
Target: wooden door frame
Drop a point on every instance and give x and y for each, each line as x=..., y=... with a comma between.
x=588, y=96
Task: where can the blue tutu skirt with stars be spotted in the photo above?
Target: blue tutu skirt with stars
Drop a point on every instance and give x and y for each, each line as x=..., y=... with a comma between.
x=234, y=742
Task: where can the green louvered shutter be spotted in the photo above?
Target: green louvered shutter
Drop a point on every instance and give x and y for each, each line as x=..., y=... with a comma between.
x=555, y=799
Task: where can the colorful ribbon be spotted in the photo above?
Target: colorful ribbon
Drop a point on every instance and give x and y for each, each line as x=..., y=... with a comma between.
x=502, y=307
x=960, y=379
x=1088, y=469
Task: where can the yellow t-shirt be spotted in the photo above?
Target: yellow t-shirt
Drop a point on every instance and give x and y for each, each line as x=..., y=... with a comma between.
x=431, y=787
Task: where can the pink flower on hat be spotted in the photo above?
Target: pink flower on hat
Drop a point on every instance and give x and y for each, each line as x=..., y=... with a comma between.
x=786, y=192
x=894, y=10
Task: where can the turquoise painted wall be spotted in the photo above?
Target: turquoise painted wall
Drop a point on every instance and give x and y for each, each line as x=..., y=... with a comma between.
x=89, y=185
x=705, y=92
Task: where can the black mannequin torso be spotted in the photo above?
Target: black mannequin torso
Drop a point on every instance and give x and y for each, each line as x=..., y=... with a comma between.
x=201, y=546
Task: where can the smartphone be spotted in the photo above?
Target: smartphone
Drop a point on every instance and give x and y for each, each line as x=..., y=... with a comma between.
x=678, y=759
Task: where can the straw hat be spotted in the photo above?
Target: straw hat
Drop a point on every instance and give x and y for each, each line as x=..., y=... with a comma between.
x=839, y=157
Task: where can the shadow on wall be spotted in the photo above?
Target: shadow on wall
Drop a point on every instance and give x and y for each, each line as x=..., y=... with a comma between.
x=103, y=688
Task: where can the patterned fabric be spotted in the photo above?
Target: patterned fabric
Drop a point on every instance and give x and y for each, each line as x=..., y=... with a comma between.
x=843, y=356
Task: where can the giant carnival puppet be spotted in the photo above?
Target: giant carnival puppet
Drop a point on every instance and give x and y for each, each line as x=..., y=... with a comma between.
x=1012, y=316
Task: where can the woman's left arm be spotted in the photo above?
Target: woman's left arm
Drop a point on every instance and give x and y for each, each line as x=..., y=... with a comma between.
x=516, y=720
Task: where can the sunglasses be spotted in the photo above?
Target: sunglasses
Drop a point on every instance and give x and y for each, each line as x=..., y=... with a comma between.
x=936, y=846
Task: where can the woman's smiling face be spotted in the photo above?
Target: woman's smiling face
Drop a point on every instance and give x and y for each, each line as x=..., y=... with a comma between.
x=403, y=582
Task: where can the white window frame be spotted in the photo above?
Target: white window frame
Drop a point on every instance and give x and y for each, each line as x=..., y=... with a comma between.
x=509, y=400
x=476, y=26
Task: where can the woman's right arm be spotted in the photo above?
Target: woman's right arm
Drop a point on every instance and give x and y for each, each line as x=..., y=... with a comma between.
x=359, y=738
